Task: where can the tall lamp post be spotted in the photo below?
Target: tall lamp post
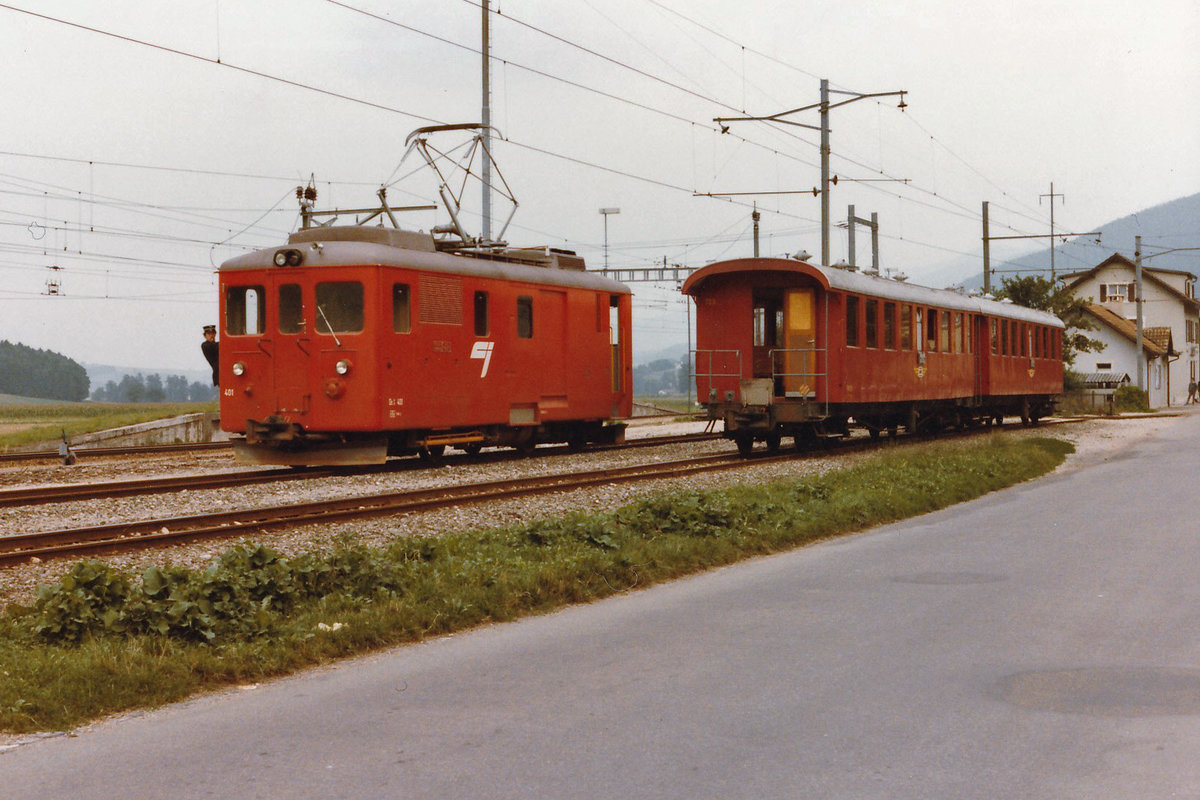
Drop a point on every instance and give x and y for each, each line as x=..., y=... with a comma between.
x=605, y=212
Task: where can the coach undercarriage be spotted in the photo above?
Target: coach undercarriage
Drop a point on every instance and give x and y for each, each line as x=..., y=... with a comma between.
x=808, y=422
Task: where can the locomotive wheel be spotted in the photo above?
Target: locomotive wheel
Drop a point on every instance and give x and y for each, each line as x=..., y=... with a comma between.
x=745, y=444
x=773, y=440
x=433, y=455
x=472, y=448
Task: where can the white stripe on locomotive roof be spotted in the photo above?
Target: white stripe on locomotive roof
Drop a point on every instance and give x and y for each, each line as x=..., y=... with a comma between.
x=333, y=255
x=845, y=280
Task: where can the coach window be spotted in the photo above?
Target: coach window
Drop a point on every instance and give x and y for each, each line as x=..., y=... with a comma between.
x=851, y=321
x=995, y=337
x=401, y=308
x=906, y=337
x=931, y=330
x=524, y=317
x=481, y=314
x=245, y=311
x=291, y=309
x=871, y=312
x=339, y=307
x=889, y=326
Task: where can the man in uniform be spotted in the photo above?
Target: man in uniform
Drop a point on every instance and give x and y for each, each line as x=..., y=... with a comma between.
x=211, y=349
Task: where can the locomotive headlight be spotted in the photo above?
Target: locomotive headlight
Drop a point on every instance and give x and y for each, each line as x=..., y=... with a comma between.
x=238, y=368
x=288, y=258
x=342, y=367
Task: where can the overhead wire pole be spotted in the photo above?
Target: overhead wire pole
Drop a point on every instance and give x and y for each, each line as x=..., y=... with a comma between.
x=824, y=107
x=1052, y=195
x=988, y=239
x=486, y=119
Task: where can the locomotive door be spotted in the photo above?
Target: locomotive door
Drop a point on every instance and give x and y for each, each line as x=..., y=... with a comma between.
x=800, y=343
x=292, y=352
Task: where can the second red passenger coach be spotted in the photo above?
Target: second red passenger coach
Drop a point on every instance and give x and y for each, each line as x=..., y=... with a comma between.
x=788, y=348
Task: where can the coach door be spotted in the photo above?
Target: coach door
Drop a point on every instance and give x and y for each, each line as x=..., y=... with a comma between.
x=799, y=343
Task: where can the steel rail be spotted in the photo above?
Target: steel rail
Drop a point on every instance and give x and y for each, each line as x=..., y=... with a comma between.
x=144, y=533
x=94, y=452
x=70, y=492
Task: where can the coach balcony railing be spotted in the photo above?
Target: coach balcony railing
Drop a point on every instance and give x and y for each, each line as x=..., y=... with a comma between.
x=795, y=371
x=720, y=370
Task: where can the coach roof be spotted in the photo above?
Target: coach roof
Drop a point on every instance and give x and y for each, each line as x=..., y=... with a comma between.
x=844, y=280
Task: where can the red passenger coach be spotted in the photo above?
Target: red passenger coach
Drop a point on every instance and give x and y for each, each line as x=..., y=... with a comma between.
x=786, y=348
x=352, y=343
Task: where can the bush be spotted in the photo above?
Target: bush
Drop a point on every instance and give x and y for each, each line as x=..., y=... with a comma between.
x=1130, y=398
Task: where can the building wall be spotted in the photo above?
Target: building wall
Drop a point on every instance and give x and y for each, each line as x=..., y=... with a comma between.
x=1159, y=308
x=1118, y=356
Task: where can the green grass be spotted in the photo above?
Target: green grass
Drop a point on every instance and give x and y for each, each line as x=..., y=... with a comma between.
x=102, y=642
x=23, y=424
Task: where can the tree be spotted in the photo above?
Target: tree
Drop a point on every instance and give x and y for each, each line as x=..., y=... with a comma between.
x=1037, y=292
x=44, y=374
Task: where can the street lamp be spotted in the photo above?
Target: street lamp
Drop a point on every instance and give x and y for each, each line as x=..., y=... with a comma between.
x=605, y=212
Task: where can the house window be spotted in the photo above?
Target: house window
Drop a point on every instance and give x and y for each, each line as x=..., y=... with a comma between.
x=1116, y=292
x=1103, y=366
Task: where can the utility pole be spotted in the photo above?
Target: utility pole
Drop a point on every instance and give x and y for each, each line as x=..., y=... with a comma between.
x=486, y=119
x=755, y=216
x=824, y=107
x=1137, y=272
x=1052, y=195
x=987, y=253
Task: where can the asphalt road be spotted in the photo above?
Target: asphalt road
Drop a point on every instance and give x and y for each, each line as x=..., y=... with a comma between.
x=1042, y=642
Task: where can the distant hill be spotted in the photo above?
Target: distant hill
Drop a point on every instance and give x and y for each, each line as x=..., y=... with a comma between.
x=30, y=372
x=1175, y=224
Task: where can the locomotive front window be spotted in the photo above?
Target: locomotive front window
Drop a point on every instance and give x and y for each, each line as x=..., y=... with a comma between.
x=851, y=321
x=481, y=314
x=401, y=308
x=245, y=311
x=872, y=322
x=291, y=309
x=339, y=307
x=525, y=317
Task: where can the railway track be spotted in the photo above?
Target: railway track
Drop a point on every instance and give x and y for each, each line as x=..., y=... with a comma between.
x=73, y=492
x=169, y=530
x=96, y=452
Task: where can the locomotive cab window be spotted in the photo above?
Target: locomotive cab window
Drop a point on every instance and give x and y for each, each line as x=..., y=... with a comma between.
x=291, y=309
x=524, y=317
x=339, y=307
x=481, y=313
x=245, y=310
x=401, y=308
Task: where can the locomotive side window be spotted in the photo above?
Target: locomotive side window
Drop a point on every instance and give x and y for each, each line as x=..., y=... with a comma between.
x=906, y=337
x=291, y=309
x=339, y=307
x=872, y=321
x=851, y=321
x=931, y=332
x=524, y=317
x=401, y=308
x=889, y=326
x=481, y=314
x=245, y=311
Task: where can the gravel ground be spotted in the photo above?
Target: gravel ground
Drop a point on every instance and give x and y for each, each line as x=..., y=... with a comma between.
x=1094, y=440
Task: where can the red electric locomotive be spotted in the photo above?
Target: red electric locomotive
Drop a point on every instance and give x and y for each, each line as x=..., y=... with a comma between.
x=352, y=343
x=786, y=348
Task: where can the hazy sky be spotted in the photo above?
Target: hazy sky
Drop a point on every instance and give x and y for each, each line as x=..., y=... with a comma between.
x=142, y=144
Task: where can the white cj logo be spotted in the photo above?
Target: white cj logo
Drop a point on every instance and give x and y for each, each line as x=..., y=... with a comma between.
x=483, y=350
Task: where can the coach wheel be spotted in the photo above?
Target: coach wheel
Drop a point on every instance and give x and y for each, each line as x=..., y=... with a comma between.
x=745, y=444
x=873, y=430
x=773, y=440
x=576, y=441
x=473, y=448
x=892, y=431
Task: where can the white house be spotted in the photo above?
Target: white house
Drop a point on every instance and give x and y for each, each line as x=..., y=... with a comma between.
x=1119, y=356
x=1168, y=301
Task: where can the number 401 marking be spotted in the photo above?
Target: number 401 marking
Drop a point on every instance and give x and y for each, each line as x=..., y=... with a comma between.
x=483, y=350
